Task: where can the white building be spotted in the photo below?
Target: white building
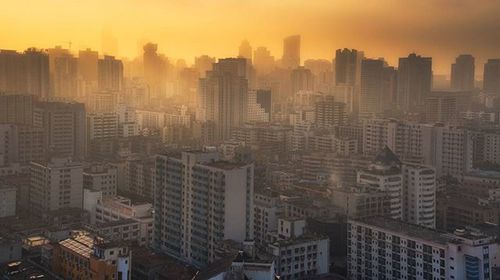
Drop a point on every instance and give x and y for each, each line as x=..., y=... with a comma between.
x=419, y=195
x=380, y=248
x=200, y=201
x=55, y=185
x=298, y=255
x=7, y=201
x=267, y=209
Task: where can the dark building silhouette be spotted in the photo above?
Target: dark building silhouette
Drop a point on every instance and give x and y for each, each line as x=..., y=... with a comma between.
x=291, y=52
x=462, y=73
x=492, y=76
x=414, y=81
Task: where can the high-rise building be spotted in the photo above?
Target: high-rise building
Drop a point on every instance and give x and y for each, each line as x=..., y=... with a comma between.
x=245, y=51
x=63, y=127
x=463, y=73
x=348, y=67
x=20, y=144
x=155, y=70
x=414, y=81
x=110, y=74
x=302, y=79
x=63, y=73
x=381, y=248
x=259, y=106
x=203, y=64
x=24, y=73
x=348, y=74
x=263, y=61
x=491, y=77
x=199, y=202
x=87, y=66
x=291, y=52
x=329, y=113
x=223, y=96
x=103, y=125
x=372, y=82
x=419, y=195
x=322, y=74
x=56, y=185
x=389, y=88
x=17, y=109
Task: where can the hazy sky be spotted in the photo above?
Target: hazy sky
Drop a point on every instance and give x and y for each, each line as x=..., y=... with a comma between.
x=185, y=28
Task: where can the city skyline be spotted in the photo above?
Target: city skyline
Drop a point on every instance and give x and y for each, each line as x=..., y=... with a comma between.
x=440, y=29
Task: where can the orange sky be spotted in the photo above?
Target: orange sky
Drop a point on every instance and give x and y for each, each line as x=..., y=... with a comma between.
x=185, y=28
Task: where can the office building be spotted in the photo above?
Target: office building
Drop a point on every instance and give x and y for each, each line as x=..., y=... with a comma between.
x=63, y=73
x=463, y=73
x=199, y=202
x=414, y=81
x=17, y=109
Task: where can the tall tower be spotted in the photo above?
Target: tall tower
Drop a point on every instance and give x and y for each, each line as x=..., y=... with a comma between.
x=492, y=76
x=291, y=52
x=245, y=51
x=223, y=96
x=199, y=202
x=110, y=73
x=462, y=73
x=372, y=80
x=414, y=81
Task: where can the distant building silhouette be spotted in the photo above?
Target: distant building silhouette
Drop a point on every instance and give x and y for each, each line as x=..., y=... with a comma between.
x=462, y=73
x=291, y=52
x=414, y=81
x=492, y=76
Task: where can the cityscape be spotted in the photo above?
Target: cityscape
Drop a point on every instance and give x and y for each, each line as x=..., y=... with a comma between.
x=275, y=152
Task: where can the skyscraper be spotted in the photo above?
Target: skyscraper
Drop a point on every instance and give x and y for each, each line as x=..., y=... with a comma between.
x=155, y=71
x=372, y=80
x=199, y=202
x=263, y=61
x=110, y=73
x=462, y=73
x=24, y=73
x=223, y=96
x=414, y=81
x=492, y=76
x=245, y=51
x=291, y=52
x=203, y=64
x=348, y=67
x=348, y=73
